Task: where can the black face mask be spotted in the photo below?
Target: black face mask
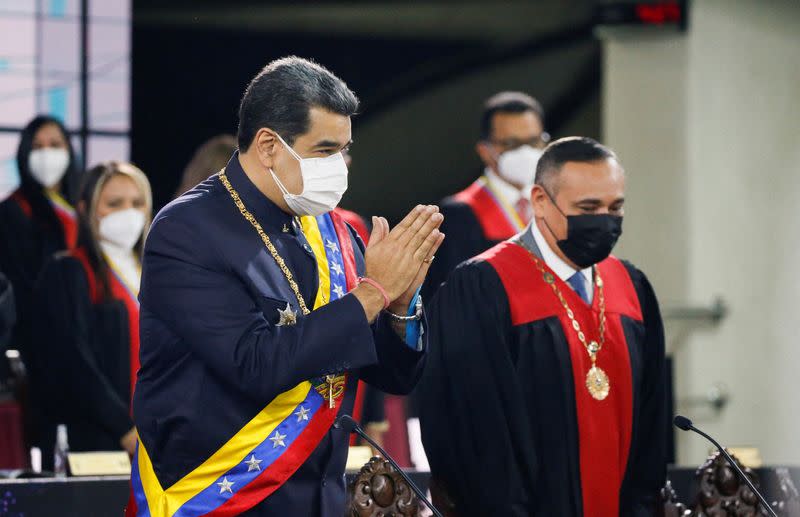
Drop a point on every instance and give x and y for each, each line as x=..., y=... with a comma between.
x=590, y=237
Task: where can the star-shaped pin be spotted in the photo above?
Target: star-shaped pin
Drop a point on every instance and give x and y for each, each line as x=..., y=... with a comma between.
x=336, y=268
x=225, y=486
x=253, y=463
x=332, y=246
x=288, y=316
x=278, y=439
x=338, y=290
x=302, y=414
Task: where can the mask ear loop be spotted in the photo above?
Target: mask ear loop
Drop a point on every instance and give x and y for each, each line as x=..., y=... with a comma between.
x=553, y=201
x=297, y=157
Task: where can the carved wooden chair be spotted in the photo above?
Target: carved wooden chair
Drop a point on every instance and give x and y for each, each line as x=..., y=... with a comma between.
x=379, y=491
x=722, y=494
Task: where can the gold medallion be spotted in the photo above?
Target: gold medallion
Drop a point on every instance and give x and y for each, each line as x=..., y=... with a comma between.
x=597, y=383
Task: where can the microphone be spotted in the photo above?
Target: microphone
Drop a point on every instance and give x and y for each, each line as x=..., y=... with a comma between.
x=347, y=423
x=683, y=423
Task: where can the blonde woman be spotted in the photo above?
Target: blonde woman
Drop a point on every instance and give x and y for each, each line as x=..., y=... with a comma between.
x=86, y=356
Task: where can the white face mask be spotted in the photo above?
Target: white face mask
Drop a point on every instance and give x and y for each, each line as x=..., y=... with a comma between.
x=9, y=181
x=122, y=228
x=324, y=183
x=518, y=166
x=48, y=165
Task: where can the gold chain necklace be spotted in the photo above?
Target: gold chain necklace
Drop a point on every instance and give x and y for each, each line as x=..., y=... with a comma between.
x=596, y=379
x=330, y=380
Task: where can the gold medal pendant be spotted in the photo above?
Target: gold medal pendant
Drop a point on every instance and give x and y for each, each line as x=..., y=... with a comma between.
x=597, y=383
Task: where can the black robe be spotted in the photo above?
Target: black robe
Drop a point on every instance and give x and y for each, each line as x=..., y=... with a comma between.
x=25, y=245
x=474, y=221
x=80, y=363
x=503, y=400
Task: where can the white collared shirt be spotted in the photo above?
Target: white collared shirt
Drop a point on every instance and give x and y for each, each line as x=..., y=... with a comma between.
x=559, y=267
x=509, y=192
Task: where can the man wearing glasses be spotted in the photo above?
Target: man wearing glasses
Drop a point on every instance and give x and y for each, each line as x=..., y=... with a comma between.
x=497, y=205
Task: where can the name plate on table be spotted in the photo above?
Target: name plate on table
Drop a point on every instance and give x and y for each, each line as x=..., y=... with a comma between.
x=113, y=463
x=357, y=457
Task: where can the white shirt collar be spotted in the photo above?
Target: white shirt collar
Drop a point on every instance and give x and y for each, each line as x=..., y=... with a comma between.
x=125, y=262
x=554, y=262
x=508, y=191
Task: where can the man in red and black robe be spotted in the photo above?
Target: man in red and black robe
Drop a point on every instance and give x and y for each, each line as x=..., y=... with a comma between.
x=496, y=206
x=517, y=417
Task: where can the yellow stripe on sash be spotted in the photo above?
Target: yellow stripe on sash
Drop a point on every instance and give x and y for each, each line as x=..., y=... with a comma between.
x=62, y=203
x=510, y=211
x=312, y=233
x=164, y=503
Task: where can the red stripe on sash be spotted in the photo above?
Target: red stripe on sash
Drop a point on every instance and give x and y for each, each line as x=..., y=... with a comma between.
x=604, y=427
x=282, y=468
x=354, y=220
x=348, y=252
x=491, y=216
x=351, y=276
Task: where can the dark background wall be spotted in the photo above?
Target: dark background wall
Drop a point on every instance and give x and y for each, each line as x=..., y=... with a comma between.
x=421, y=72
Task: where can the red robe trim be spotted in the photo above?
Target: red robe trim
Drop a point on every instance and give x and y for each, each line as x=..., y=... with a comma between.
x=495, y=222
x=68, y=220
x=119, y=292
x=604, y=426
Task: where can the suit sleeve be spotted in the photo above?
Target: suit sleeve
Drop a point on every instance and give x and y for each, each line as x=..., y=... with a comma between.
x=68, y=374
x=473, y=428
x=648, y=462
x=188, y=287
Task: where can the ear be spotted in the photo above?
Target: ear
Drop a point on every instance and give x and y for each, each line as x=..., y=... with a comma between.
x=81, y=207
x=265, y=144
x=539, y=199
x=486, y=154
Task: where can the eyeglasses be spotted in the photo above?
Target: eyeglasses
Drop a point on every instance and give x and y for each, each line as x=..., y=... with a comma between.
x=538, y=142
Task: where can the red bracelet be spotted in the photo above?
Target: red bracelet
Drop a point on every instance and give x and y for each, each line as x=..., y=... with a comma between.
x=377, y=286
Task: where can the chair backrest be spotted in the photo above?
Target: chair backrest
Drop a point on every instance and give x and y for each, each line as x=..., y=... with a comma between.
x=379, y=490
x=721, y=492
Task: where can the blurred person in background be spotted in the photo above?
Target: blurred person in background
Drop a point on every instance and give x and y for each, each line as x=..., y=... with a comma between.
x=86, y=356
x=36, y=215
x=208, y=159
x=496, y=206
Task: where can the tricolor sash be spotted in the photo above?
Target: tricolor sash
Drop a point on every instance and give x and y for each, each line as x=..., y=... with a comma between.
x=264, y=453
x=498, y=219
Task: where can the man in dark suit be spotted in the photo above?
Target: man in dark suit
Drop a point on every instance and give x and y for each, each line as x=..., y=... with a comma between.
x=260, y=311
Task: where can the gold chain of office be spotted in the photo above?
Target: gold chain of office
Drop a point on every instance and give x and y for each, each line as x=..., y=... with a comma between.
x=330, y=380
x=597, y=381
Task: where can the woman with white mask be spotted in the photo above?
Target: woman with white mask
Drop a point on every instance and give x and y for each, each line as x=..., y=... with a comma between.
x=36, y=214
x=86, y=356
